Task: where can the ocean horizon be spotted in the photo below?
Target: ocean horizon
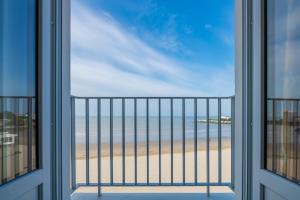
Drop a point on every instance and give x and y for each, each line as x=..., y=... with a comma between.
x=80, y=129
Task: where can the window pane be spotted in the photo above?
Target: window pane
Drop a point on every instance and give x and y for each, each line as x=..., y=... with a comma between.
x=283, y=94
x=18, y=69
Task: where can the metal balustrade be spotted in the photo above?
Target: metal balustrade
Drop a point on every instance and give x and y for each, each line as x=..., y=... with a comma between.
x=81, y=106
x=281, y=133
x=18, y=136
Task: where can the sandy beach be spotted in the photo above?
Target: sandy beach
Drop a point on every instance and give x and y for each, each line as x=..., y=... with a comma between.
x=153, y=162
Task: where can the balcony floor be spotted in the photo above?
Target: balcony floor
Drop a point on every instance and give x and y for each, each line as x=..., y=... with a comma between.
x=153, y=194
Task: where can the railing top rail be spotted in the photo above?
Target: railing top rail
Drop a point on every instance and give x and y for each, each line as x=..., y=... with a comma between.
x=151, y=97
x=283, y=99
x=18, y=97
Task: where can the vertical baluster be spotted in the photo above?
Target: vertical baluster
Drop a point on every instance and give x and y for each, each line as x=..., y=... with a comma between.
x=297, y=135
x=195, y=141
x=35, y=133
x=111, y=141
x=87, y=125
x=171, y=104
x=183, y=140
x=10, y=161
x=123, y=140
x=159, y=139
x=135, y=141
x=1, y=130
x=295, y=138
x=4, y=149
x=99, y=144
x=219, y=142
x=285, y=143
x=207, y=148
x=29, y=134
x=232, y=140
x=73, y=142
x=147, y=132
x=17, y=139
x=278, y=105
x=273, y=133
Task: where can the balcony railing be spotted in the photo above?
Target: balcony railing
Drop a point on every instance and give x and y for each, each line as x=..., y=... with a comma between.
x=152, y=141
x=18, y=136
x=282, y=133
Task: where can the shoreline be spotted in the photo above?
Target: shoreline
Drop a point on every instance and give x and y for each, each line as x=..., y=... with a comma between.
x=153, y=148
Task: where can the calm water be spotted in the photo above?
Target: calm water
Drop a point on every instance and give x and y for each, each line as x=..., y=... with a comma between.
x=141, y=129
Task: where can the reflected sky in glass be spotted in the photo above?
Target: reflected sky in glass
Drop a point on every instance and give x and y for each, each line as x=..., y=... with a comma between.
x=17, y=48
x=283, y=49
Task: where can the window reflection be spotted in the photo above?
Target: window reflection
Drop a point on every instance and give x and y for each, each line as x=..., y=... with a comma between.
x=283, y=94
x=17, y=88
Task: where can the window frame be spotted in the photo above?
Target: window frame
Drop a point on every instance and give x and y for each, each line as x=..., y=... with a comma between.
x=37, y=97
x=264, y=94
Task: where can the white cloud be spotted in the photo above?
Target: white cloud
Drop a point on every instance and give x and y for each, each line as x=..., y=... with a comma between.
x=109, y=60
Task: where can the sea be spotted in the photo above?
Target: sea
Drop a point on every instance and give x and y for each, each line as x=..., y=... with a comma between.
x=141, y=129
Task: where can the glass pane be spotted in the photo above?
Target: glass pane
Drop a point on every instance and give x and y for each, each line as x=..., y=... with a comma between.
x=18, y=69
x=283, y=94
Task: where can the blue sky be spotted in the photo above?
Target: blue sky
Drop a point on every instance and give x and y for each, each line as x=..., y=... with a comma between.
x=152, y=48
